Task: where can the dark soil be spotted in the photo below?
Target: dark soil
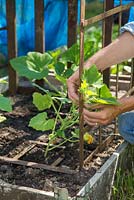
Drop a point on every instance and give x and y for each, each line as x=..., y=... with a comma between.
x=14, y=137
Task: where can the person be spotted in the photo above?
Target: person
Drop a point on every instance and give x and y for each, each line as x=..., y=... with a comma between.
x=118, y=51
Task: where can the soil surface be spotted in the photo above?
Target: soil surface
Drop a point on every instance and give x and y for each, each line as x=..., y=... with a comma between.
x=15, y=135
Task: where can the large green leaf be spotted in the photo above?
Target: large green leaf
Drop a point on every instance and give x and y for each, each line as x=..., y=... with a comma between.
x=38, y=61
x=71, y=54
x=92, y=75
x=5, y=104
x=42, y=102
x=32, y=66
x=110, y=100
x=41, y=123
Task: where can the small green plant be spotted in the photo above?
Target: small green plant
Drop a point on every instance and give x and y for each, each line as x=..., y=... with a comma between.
x=124, y=185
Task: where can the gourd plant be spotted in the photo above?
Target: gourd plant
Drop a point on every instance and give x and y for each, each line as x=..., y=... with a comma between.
x=5, y=104
x=36, y=66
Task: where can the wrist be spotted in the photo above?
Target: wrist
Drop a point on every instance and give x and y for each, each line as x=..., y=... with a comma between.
x=126, y=104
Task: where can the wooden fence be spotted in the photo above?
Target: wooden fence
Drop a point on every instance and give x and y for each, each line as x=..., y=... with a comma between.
x=106, y=17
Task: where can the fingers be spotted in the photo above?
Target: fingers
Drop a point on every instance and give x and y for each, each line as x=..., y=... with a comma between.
x=91, y=118
x=94, y=106
x=72, y=92
x=102, y=117
x=73, y=84
x=90, y=122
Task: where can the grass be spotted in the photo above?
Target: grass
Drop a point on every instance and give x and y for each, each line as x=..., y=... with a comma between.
x=123, y=188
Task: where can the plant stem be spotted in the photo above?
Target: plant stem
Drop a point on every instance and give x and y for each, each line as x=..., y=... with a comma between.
x=57, y=112
x=51, y=86
x=66, y=140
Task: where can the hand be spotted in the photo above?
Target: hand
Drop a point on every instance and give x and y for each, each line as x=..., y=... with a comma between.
x=73, y=85
x=104, y=115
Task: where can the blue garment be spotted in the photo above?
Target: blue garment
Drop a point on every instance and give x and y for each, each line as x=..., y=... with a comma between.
x=131, y=15
x=126, y=120
x=129, y=27
x=126, y=126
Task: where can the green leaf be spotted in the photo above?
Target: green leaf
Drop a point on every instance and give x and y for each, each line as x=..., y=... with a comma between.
x=68, y=73
x=38, y=61
x=110, y=100
x=42, y=102
x=60, y=133
x=55, y=54
x=105, y=92
x=41, y=123
x=59, y=68
x=91, y=75
x=98, y=84
x=94, y=90
x=5, y=104
x=71, y=54
x=2, y=118
x=32, y=66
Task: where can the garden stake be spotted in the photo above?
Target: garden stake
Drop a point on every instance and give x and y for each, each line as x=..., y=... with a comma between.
x=100, y=137
x=81, y=120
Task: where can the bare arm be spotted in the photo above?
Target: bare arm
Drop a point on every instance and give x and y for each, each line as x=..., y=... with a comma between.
x=119, y=50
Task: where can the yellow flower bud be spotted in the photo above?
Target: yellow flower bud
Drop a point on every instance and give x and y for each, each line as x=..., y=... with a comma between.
x=88, y=138
x=84, y=85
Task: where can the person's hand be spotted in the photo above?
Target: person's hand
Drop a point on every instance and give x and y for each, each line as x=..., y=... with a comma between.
x=73, y=85
x=103, y=115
